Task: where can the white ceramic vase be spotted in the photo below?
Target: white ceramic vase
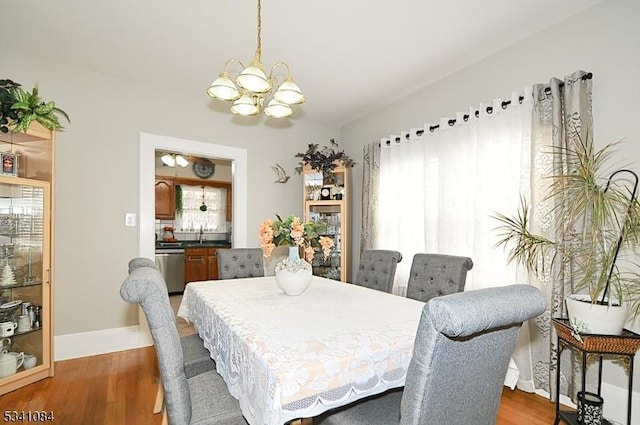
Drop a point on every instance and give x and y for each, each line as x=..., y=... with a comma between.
x=293, y=275
x=595, y=318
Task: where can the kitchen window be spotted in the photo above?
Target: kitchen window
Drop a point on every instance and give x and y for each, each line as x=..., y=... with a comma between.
x=203, y=207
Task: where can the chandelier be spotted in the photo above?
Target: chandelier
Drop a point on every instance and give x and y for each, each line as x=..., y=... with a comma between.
x=252, y=86
x=171, y=159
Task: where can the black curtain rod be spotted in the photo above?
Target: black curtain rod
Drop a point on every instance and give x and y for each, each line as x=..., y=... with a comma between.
x=465, y=117
x=585, y=77
x=489, y=110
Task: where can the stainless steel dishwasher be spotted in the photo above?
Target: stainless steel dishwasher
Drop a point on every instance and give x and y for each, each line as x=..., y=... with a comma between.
x=170, y=262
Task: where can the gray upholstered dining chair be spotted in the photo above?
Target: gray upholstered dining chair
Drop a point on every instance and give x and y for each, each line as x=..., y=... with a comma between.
x=377, y=269
x=433, y=275
x=196, y=357
x=461, y=355
x=202, y=399
x=238, y=263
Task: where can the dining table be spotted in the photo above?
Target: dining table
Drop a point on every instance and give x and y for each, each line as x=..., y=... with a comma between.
x=290, y=357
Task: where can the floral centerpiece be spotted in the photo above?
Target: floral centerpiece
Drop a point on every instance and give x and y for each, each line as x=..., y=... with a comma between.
x=295, y=234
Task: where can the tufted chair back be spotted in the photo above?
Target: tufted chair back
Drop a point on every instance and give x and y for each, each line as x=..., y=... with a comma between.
x=433, y=275
x=461, y=354
x=377, y=269
x=460, y=358
x=145, y=286
x=141, y=262
x=238, y=263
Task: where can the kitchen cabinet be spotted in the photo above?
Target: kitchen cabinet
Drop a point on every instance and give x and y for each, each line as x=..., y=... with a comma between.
x=195, y=264
x=165, y=199
x=212, y=263
x=327, y=199
x=26, y=250
x=201, y=264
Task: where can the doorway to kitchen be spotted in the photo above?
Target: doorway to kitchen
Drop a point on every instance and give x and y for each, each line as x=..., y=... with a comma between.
x=149, y=144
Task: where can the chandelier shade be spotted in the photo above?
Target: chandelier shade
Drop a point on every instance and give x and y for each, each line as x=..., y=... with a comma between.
x=277, y=109
x=289, y=93
x=181, y=161
x=254, y=79
x=245, y=106
x=252, y=86
x=223, y=88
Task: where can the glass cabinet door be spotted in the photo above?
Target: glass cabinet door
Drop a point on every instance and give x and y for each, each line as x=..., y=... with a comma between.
x=24, y=275
x=326, y=200
x=331, y=266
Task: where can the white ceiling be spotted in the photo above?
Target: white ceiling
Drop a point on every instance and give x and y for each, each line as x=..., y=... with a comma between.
x=350, y=57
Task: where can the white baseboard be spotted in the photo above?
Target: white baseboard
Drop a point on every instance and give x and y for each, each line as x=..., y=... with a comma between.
x=615, y=404
x=84, y=344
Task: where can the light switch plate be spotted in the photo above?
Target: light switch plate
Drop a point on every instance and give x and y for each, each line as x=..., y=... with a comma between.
x=129, y=219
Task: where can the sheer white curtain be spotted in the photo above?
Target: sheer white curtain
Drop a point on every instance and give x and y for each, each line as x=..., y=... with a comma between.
x=214, y=216
x=439, y=189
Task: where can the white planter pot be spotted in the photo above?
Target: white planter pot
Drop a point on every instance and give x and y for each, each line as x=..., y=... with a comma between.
x=595, y=318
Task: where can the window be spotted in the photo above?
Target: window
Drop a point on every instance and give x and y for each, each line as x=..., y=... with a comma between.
x=203, y=207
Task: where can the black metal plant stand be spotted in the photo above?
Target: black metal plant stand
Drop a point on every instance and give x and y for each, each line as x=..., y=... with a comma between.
x=624, y=345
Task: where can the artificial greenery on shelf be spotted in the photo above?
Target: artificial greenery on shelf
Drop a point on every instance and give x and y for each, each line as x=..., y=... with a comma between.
x=7, y=99
x=323, y=159
x=21, y=107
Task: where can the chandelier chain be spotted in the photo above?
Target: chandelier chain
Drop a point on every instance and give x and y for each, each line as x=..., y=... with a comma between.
x=252, y=85
x=259, y=48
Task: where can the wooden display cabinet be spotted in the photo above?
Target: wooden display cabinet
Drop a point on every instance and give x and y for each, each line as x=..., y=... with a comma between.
x=26, y=252
x=327, y=199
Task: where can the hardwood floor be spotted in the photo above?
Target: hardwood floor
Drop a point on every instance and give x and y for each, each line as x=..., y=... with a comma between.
x=119, y=388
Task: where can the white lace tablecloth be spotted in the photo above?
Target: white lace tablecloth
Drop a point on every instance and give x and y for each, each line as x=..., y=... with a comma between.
x=286, y=357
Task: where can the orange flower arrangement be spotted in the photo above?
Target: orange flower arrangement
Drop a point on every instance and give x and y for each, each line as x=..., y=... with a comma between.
x=293, y=232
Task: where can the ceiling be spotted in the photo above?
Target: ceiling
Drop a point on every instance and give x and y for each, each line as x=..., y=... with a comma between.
x=350, y=57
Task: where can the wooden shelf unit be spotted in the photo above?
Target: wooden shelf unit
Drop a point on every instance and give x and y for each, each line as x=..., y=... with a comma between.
x=334, y=212
x=29, y=248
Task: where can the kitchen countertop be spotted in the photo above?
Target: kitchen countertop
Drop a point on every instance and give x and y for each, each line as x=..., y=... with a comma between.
x=192, y=244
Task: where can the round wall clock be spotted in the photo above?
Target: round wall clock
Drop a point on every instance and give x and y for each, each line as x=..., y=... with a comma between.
x=204, y=168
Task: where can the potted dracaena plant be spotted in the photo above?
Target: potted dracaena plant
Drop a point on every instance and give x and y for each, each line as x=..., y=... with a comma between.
x=597, y=211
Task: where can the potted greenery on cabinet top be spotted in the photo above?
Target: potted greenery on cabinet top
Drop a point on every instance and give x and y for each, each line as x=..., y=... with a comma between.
x=597, y=210
x=323, y=159
x=19, y=108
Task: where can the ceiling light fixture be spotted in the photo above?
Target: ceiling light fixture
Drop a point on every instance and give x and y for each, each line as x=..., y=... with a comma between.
x=171, y=159
x=253, y=86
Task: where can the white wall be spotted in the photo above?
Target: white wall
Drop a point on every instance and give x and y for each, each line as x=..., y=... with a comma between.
x=604, y=40
x=96, y=177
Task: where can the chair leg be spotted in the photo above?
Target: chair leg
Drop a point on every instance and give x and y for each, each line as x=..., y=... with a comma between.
x=165, y=420
x=157, y=406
